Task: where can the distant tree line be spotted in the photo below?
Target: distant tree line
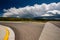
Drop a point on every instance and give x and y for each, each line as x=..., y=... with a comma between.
x=24, y=19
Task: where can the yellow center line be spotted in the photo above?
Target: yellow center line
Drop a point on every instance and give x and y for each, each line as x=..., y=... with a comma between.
x=7, y=34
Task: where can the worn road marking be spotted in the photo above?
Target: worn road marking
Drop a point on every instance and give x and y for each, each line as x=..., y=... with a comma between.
x=6, y=37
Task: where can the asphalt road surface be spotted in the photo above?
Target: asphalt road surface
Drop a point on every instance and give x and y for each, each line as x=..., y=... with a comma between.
x=25, y=30
x=57, y=23
x=51, y=31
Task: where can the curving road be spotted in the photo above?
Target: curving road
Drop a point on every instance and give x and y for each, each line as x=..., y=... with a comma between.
x=26, y=30
x=32, y=30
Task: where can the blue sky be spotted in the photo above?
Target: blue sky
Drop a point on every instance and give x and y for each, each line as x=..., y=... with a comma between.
x=6, y=4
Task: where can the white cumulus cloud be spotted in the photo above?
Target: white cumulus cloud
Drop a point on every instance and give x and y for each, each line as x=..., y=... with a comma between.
x=33, y=11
